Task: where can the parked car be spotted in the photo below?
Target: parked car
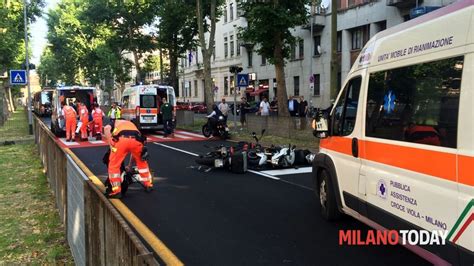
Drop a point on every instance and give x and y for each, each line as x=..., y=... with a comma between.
x=183, y=106
x=199, y=108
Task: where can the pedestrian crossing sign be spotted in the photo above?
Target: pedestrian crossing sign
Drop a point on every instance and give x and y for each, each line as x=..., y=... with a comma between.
x=18, y=77
x=242, y=80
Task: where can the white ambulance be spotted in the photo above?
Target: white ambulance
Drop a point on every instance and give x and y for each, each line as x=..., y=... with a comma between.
x=141, y=105
x=69, y=95
x=397, y=149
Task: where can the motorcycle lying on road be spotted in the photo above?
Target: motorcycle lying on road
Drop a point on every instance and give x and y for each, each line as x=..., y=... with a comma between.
x=217, y=128
x=230, y=158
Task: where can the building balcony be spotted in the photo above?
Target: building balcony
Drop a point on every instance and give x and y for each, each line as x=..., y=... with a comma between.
x=403, y=3
x=318, y=20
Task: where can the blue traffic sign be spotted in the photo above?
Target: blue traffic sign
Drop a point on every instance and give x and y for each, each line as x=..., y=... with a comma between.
x=18, y=77
x=242, y=80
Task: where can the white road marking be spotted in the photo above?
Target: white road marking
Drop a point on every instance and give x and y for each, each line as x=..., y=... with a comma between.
x=190, y=134
x=176, y=149
x=63, y=140
x=181, y=136
x=289, y=171
x=96, y=141
x=158, y=136
x=263, y=174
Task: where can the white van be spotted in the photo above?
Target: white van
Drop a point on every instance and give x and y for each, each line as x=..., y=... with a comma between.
x=69, y=95
x=141, y=105
x=397, y=149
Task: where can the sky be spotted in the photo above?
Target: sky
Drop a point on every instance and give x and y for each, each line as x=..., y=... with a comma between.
x=39, y=31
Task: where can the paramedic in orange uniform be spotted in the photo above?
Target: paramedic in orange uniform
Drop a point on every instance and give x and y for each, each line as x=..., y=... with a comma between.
x=97, y=115
x=125, y=139
x=84, y=118
x=70, y=116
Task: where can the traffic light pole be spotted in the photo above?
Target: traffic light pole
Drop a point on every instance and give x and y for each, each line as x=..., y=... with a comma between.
x=28, y=101
x=235, y=101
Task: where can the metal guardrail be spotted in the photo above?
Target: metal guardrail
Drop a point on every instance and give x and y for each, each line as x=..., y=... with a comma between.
x=96, y=232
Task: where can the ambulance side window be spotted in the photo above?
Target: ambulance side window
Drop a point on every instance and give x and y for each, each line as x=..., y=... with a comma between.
x=345, y=112
x=417, y=103
x=125, y=101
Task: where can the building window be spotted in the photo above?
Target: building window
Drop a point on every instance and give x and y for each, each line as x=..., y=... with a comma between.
x=316, y=84
x=296, y=84
x=231, y=11
x=231, y=45
x=195, y=88
x=350, y=3
x=232, y=85
x=417, y=103
x=339, y=42
x=301, y=48
x=293, y=52
x=237, y=42
x=317, y=42
x=357, y=39
x=214, y=52
x=264, y=60
x=226, y=86
x=225, y=14
x=249, y=57
x=226, y=48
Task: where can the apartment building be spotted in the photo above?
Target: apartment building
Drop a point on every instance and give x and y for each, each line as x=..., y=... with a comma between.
x=307, y=72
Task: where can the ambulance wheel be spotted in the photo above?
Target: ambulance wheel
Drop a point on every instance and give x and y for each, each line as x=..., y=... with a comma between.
x=327, y=197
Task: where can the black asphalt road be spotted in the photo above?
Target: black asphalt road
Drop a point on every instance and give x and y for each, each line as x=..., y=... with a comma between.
x=221, y=218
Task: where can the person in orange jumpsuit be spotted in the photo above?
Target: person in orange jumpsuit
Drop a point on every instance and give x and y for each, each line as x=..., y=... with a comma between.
x=97, y=116
x=125, y=139
x=70, y=115
x=84, y=118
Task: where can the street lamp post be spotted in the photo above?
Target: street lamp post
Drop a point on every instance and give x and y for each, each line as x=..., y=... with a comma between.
x=28, y=102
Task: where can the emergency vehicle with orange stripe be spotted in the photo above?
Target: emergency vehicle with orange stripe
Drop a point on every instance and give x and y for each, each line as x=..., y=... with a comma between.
x=141, y=105
x=70, y=95
x=397, y=147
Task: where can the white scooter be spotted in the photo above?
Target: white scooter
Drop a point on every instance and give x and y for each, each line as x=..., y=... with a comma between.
x=285, y=157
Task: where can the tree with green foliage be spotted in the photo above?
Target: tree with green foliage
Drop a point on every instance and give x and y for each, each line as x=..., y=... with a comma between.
x=12, y=45
x=207, y=11
x=268, y=28
x=127, y=22
x=177, y=29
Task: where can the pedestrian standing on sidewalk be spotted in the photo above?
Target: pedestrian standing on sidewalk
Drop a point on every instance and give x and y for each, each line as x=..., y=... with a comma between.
x=264, y=107
x=224, y=108
x=303, y=111
x=244, y=108
x=166, y=111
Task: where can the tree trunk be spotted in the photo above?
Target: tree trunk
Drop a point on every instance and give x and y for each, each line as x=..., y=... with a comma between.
x=280, y=77
x=136, y=58
x=208, y=93
x=11, y=106
x=2, y=109
x=174, y=73
x=206, y=48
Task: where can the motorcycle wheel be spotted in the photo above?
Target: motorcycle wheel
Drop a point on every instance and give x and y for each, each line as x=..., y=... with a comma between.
x=206, y=131
x=224, y=135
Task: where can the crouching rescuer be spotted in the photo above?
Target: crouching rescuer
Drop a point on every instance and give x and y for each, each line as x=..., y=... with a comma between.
x=125, y=139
